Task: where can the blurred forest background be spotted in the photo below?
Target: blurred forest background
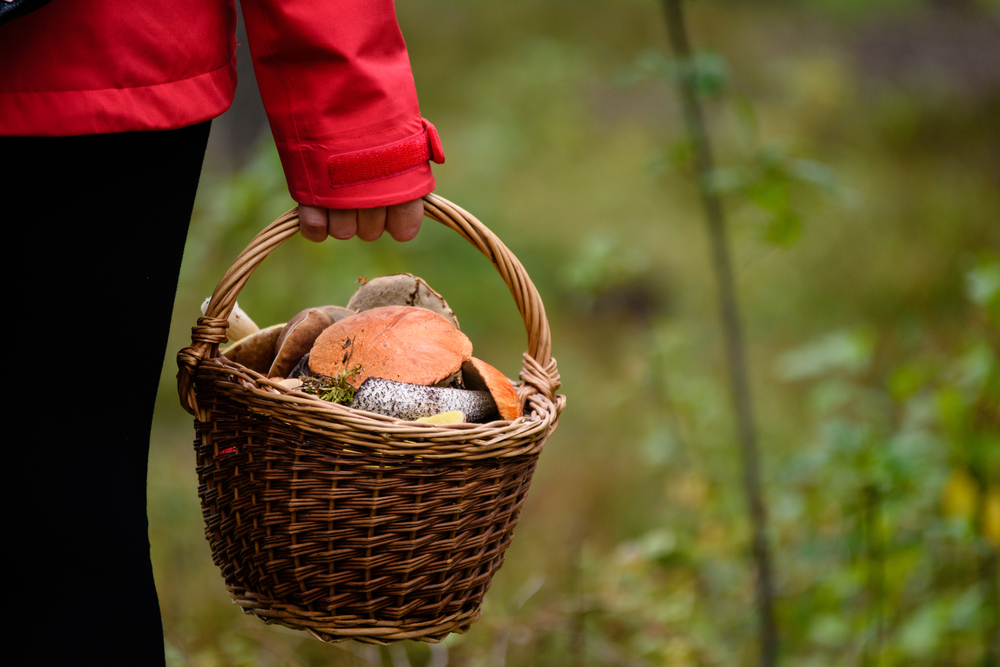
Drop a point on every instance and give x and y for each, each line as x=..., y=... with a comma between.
x=858, y=146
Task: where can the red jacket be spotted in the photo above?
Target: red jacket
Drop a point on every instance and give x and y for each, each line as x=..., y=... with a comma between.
x=334, y=76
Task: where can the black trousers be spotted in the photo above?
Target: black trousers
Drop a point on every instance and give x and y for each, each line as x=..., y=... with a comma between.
x=95, y=229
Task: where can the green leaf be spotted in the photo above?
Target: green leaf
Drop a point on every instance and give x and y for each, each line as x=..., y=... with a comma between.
x=726, y=179
x=784, y=228
x=967, y=609
x=770, y=193
x=831, y=395
x=711, y=73
x=830, y=631
x=982, y=284
x=650, y=64
x=658, y=546
x=907, y=380
x=659, y=446
x=849, y=351
x=708, y=70
x=922, y=631
x=953, y=411
x=810, y=171
x=681, y=153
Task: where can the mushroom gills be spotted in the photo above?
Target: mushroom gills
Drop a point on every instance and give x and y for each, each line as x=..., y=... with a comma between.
x=412, y=401
x=256, y=351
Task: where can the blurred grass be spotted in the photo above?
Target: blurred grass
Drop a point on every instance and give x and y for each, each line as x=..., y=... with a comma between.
x=632, y=548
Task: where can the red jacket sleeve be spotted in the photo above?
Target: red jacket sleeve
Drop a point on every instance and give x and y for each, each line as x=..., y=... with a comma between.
x=339, y=94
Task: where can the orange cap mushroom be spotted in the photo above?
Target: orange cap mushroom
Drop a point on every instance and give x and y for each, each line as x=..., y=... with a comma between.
x=400, y=343
x=477, y=374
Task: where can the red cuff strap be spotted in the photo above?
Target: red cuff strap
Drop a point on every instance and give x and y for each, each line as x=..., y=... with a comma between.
x=374, y=164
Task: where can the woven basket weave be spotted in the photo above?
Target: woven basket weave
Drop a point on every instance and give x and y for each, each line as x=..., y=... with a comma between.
x=347, y=524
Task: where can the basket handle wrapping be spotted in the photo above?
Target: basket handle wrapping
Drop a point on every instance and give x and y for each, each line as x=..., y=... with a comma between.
x=538, y=374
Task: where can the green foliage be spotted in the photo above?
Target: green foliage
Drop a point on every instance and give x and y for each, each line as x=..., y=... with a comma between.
x=847, y=351
x=983, y=287
x=895, y=446
x=873, y=342
x=708, y=69
x=766, y=175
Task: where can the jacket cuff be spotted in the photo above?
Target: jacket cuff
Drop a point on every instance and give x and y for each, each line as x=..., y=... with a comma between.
x=381, y=175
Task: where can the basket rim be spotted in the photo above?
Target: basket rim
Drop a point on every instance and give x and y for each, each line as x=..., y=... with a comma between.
x=379, y=433
x=539, y=375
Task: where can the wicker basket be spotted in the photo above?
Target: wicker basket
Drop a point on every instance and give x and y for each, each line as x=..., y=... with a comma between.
x=347, y=524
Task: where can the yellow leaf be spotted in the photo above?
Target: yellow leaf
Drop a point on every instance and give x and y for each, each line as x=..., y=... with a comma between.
x=991, y=516
x=960, y=494
x=451, y=417
x=690, y=490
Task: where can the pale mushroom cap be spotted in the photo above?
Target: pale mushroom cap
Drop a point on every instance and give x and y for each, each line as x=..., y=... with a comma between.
x=240, y=324
x=400, y=343
x=400, y=289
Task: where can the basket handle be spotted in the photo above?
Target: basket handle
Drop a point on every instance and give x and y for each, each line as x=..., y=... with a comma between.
x=538, y=373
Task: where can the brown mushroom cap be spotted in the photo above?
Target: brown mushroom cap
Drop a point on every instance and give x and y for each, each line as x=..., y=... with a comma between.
x=477, y=374
x=400, y=343
x=400, y=289
x=256, y=351
x=299, y=335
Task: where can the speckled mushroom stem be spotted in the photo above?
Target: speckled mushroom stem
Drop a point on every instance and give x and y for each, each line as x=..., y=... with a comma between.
x=413, y=401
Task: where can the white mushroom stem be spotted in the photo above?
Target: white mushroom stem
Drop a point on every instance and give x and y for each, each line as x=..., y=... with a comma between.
x=240, y=324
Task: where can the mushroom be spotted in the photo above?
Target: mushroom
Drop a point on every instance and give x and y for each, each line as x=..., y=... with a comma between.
x=401, y=343
x=256, y=351
x=477, y=374
x=299, y=334
x=413, y=401
x=240, y=324
x=400, y=289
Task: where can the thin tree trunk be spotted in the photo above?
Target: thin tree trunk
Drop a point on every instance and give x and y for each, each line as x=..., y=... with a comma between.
x=735, y=350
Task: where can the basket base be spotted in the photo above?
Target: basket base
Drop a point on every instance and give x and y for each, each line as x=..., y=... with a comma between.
x=333, y=629
x=325, y=524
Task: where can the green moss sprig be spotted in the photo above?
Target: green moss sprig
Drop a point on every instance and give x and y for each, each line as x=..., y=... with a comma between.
x=333, y=388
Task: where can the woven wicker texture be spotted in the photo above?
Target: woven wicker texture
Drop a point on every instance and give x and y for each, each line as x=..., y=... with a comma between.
x=347, y=524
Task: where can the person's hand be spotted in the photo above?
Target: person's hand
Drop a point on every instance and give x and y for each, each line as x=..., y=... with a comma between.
x=402, y=221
